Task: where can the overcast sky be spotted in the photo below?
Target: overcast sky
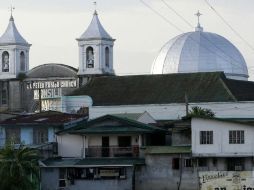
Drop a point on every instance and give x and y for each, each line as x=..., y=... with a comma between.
x=52, y=26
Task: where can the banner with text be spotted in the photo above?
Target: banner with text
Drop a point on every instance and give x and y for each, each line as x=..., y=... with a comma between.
x=227, y=180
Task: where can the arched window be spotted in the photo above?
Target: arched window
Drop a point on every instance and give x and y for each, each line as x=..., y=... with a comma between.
x=89, y=57
x=107, y=57
x=5, y=61
x=22, y=61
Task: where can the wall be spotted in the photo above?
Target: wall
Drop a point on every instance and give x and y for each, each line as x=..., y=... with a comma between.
x=70, y=145
x=158, y=174
x=70, y=104
x=176, y=111
x=146, y=118
x=49, y=178
x=96, y=140
x=221, y=146
x=15, y=96
x=49, y=181
x=26, y=135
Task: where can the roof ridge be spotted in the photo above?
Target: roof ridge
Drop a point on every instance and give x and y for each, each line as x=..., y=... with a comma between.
x=227, y=89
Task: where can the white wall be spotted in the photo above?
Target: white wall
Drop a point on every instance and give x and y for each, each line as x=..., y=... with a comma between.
x=146, y=118
x=74, y=103
x=96, y=140
x=70, y=145
x=176, y=111
x=221, y=146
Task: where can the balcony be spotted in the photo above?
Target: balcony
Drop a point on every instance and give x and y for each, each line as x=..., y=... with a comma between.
x=112, y=151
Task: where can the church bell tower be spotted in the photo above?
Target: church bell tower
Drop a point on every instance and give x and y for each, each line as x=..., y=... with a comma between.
x=14, y=52
x=95, y=50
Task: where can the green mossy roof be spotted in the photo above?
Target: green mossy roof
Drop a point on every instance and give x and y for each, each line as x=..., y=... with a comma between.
x=125, y=126
x=166, y=88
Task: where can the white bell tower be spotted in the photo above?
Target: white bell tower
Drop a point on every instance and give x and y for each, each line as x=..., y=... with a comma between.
x=95, y=50
x=14, y=52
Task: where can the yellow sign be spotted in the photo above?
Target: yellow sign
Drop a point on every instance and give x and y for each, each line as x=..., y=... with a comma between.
x=227, y=180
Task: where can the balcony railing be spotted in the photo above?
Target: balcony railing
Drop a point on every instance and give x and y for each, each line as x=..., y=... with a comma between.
x=112, y=151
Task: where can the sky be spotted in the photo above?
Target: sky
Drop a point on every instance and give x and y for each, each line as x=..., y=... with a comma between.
x=52, y=26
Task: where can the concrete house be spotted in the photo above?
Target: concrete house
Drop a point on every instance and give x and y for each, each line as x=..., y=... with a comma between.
x=104, y=152
x=206, y=153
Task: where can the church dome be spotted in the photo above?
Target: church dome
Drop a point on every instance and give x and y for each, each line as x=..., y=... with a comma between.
x=200, y=51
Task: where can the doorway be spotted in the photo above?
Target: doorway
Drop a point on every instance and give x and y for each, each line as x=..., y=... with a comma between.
x=105, y=146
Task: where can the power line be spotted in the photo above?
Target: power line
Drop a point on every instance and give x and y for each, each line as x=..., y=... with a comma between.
x=179, y=15
x=160, y=15
x=225, y=22
x=172, y=24
x=172, y=9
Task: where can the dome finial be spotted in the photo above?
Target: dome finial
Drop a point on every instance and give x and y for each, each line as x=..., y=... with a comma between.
x=95, y=7
x=198, y=28
x=11, y=10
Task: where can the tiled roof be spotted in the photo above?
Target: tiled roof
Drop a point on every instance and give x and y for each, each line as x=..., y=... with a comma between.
x=166, y=88
x=44, y=118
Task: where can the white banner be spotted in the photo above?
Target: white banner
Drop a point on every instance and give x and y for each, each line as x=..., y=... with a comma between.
x=226, y=180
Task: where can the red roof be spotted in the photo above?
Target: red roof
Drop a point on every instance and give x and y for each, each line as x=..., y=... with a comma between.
x=48, y=117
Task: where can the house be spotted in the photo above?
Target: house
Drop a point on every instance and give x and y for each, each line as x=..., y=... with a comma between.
x=105, y=152
x=205, y=153
x=37, y=130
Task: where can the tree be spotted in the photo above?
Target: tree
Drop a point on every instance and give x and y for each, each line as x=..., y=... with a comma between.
x=203, y=112
x=18, y=168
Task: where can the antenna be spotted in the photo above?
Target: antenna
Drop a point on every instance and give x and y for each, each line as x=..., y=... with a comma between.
x=11, y=9
x=95, y=5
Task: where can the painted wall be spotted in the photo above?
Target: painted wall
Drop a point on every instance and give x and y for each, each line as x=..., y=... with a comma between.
x=26, y=135
x=49, y=178
x=221, y=146
x=146, y=118
x=176, y=111
x=70, y=145
x=70, y=104
x=158, y=174
x=49, y=181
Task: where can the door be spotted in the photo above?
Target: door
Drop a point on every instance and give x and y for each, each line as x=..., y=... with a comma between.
x=105, y=147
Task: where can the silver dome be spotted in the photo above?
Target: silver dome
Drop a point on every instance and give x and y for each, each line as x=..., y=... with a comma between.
x=200, y=52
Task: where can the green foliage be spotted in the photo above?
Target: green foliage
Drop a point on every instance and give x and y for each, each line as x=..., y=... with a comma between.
x=18, y=168
x=202, y=112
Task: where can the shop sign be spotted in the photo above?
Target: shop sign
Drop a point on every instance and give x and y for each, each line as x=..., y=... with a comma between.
x=226, y=180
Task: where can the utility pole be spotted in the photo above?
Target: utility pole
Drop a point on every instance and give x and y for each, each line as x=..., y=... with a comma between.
x=186, y=104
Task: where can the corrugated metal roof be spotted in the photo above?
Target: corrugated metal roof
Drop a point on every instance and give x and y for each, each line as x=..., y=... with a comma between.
x=44, y=118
